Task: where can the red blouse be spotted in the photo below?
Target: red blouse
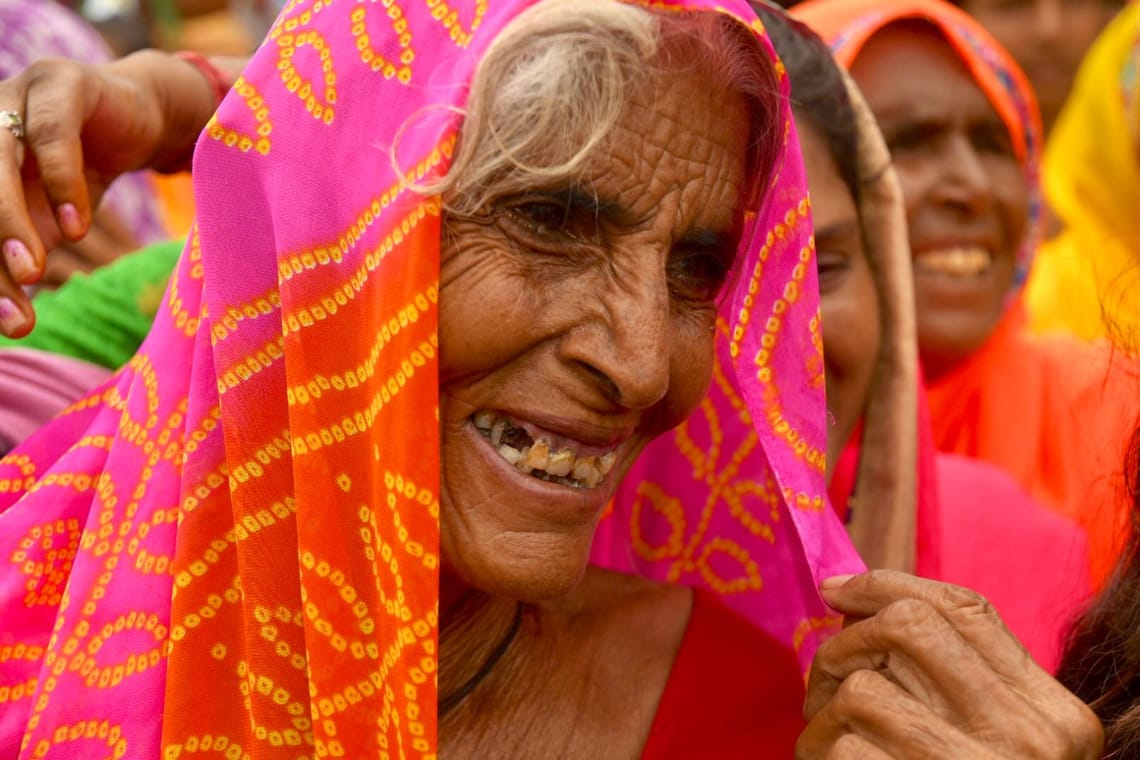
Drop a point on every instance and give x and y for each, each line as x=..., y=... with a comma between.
x=734, y=691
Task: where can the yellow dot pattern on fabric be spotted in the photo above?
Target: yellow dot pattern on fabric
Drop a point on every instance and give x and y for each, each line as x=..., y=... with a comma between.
x=775, y=244
x=817, y=627
x=320, y=96
x=362, y=372
x=234, y=547
x=232, y=138
x=307, y=316
x=446, y=15
x=374, y=58
x=102, y=732
x=185, y=321
x=691, y=546
x=333, y=251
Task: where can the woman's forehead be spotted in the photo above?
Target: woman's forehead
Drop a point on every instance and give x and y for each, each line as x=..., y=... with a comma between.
x=910, y=70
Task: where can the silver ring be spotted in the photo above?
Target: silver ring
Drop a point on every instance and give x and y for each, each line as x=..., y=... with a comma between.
x=13, y=122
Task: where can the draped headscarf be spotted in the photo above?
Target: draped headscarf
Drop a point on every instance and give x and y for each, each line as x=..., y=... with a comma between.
x=232, y=547
x=1033, y=407
x=1087, y=279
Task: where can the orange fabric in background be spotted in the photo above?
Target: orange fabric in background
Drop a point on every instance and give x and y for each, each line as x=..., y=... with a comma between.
x=1056, y=414
x=176, y=199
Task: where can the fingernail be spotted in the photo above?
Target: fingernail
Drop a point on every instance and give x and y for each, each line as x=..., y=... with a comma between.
x=11, y=318
x=835, y=581
x=69, y=220
x=20, y=263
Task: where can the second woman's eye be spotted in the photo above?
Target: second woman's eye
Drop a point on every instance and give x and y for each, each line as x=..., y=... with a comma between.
x=992, y=138
x=832, y=269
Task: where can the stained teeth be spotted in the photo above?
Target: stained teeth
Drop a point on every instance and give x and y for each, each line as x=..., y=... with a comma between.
x=583, y=467
x=534, y=457
x=606, y=462
x=538, y=458
x=497, y=432
x=522, y=463
x=510, y=453
x=561, y=463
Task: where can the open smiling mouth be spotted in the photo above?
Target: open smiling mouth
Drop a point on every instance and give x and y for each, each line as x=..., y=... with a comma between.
x=537, y=457
x=963, y=261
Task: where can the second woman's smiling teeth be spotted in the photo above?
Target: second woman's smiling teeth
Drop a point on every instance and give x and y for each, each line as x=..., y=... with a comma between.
x=959, y=261
x=537, y=458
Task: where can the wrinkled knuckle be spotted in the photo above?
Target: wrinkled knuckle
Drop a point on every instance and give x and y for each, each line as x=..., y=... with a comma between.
x=847, y=745
x=47, y=70
x=966, y=600
x=858, y=690
x=902, y=619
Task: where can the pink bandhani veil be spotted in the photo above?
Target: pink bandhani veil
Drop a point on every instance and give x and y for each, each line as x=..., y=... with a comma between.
x=231, y=548
x=735, y=499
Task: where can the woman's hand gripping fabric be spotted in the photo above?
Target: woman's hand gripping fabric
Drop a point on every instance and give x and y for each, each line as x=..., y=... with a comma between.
x=928, y=670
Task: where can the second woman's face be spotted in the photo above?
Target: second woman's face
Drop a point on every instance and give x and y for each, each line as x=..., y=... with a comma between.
x=576, y=324
x=966, y=196
x=848, y=301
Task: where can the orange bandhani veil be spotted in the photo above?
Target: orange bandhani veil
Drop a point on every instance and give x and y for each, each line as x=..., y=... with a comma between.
x=232, y=549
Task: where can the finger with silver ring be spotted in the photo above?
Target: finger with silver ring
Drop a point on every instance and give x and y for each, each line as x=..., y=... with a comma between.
x=13, y=122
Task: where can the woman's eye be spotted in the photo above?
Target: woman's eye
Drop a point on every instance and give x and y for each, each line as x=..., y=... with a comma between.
x=831, y=269
x=911, y=139
x=544, y=217
x=993, y=139
x=698, y=276
x=553, y=220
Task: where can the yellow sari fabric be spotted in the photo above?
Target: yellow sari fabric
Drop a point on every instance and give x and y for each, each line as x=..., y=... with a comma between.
x=1086, y=281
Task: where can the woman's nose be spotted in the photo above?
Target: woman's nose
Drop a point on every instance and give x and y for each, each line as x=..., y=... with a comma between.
x=964, y=181
x=625, y=345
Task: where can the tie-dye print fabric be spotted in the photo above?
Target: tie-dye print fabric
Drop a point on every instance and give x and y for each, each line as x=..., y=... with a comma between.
x=232, y=548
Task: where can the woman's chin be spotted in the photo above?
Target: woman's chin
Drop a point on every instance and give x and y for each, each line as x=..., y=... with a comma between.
x=529, y=567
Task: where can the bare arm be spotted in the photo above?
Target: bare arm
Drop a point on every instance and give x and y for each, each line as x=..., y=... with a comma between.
x=85, y=125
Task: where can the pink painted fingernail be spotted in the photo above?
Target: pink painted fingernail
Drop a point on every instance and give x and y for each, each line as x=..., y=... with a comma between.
x=69, y=220
x=11, y=318
x=20, y=263
x=835, y=581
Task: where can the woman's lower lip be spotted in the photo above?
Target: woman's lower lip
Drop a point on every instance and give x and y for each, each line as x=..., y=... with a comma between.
x=562, y=501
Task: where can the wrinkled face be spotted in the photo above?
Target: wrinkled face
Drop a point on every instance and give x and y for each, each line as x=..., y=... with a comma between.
x=966, y=197
x=576, y=324
x=1047, y=38
x=849, y=303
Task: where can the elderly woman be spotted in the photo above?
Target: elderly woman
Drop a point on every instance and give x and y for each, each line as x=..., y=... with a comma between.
x=906, y=507
x=966, y=154
x=306, y=500
x=304, y=594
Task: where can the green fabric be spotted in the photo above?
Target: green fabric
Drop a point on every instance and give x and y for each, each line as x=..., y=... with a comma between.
x=103, y=317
